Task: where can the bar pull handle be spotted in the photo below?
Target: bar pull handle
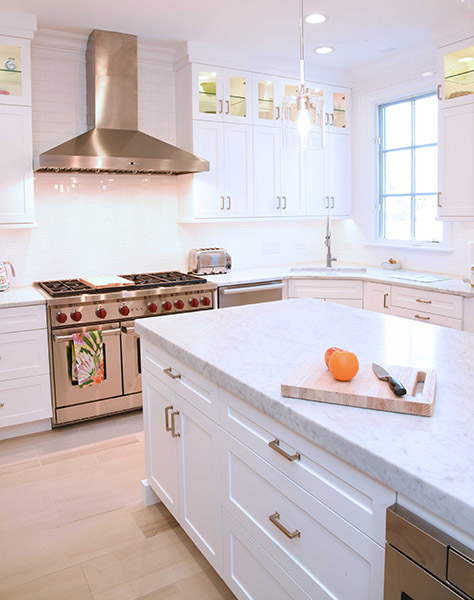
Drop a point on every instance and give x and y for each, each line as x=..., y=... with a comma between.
x=289, y=534
x=439, y=91
x=229, y=200
x=169, y=372
x=284, y=202
x=278, y=113
x=422, y=318
x=332, y=201
x=385, y=300
x=279, y=203
x=222, y=202
x=423, y=301
x=332, y=119
x=275, y=445
x=68, y=338
x=326, y=119
x=227, y=107
x=220, y=107
x=326, y=198
x=174, y=433
x=167, y=421
x=439, y=199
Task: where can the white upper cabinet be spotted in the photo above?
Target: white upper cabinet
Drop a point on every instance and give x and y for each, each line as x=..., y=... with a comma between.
x=15, y=71
x=338, y=175
x=456, y=72
x=267, y=160
x=314, y=168
x=221, y=94
x=266, y=100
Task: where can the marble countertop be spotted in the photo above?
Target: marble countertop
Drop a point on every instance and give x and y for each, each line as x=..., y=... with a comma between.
x=20, y=296
x=249, y=350
x=449, y=285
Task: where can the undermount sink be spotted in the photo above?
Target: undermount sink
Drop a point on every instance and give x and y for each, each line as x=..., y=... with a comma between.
x=328, y=270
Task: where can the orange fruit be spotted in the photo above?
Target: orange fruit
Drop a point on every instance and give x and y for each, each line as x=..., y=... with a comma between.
x=343, y=365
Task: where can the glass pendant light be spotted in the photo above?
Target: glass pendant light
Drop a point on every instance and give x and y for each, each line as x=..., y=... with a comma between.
x=303, y=111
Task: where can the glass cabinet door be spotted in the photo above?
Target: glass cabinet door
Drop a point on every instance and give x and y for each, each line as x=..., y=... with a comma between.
x=15, y=81
x=266, y=102
x=237, y=96
x=338, y=110
x=458, y=74
x=208, y=101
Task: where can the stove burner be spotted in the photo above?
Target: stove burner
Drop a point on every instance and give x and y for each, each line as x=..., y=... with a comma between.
x=66, y=287
x=164, y=279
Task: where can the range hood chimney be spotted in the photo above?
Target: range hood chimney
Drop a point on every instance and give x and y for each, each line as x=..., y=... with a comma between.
x=113, y=143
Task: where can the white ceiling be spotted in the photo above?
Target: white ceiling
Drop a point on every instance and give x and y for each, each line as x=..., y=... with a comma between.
x=359, y=30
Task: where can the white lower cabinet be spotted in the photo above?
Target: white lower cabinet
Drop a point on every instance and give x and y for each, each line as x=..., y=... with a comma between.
x=339, y=291
x=377, y=297
x=276, y=515
x=24, y=400
x=182, y=464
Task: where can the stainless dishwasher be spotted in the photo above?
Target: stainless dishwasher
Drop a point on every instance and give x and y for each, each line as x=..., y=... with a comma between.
x=424, y=563
x=250, y=293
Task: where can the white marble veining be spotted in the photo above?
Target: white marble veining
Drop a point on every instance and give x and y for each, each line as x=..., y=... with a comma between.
x=249, y=350
x=450, y=285
x=20, y=296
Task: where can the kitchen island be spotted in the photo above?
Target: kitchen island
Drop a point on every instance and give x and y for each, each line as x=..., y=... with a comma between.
x=241, y=356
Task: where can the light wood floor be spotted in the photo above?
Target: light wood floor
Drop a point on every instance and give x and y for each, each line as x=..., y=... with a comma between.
x=73, y=527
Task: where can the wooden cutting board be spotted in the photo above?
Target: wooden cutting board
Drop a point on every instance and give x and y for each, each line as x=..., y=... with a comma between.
x=313, y=381
x=106, y=281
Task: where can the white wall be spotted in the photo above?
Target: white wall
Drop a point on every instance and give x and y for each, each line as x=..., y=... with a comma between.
x=92, y=224
x=397, y=75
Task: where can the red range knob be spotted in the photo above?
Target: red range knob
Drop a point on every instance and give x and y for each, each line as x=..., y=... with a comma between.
x=167, y=305
x=152, y=307
x=179, y=304
x=61, y=317
x=76, y=315
x=101, y=313
x=206, y=301
x=194, y=302
x=124, y=310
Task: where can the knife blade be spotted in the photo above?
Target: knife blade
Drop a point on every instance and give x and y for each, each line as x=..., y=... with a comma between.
x=396, y=387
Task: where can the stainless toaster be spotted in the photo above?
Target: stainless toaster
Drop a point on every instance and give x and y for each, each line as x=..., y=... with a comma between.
x=209, y=261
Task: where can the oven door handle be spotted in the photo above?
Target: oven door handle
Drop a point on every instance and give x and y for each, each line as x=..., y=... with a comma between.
x=252, y=288
x=130, y=329
x=69, y=338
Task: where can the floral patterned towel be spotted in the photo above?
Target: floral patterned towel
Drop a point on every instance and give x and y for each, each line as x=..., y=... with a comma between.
x=87, y=365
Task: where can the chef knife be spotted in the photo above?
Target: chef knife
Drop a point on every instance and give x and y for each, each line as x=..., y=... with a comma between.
x=396, y=387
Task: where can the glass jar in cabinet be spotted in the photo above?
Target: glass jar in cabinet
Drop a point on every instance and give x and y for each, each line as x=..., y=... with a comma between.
x=15, y=71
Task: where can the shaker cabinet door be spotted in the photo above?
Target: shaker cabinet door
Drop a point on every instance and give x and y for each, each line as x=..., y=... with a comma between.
x=267, y=157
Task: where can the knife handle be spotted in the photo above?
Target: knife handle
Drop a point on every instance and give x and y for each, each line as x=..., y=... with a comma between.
x=396, y=386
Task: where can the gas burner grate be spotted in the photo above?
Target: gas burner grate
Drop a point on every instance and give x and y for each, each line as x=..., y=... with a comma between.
x=162, y=279
x=66, y=287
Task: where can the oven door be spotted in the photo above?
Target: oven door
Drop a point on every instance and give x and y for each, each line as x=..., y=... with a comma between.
x=67, y=391
x=250, y=293
x=131, y=364
x=405, y=580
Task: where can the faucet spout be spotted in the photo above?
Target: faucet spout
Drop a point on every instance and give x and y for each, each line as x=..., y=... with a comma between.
x=327, y=242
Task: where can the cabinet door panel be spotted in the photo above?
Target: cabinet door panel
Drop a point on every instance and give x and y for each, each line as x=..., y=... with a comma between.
x=207, y=93
x=377, y=297
x=16, y=183
x=23, y=354
x=313, y=176
x=292, y=199
x=209, y=194
x=267, y=159
x=161, y=455
x=237, y=96
x=339, y=178
x=456, y=172
x=199, y=494
x=239, y=170
x=266, y=100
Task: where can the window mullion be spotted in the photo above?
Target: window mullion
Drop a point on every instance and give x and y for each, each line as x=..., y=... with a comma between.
x=412, y=169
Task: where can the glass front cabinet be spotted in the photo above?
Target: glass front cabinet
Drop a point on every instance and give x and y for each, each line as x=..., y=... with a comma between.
x=456, y=73
x=15, y=80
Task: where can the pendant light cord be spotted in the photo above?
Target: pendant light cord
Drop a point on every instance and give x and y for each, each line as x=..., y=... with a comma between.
x=301, y=46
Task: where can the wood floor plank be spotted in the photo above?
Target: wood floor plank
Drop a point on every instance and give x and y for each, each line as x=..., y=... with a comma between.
x=68, y=584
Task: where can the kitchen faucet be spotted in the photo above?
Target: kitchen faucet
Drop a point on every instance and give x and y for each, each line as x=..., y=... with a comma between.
x=327, y=241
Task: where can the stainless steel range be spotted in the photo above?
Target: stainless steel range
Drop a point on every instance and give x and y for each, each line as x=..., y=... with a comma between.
x=75, y=306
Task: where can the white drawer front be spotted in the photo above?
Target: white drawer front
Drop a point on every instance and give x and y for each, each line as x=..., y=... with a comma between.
x=190, y=385
x=435, y=303
x=347, y=302
x=25, y=400
x=330, y=559
x=23, y=354
x=250, y=572
x=325, y=288
x=22, y=318
x=354, y=495
x=424, y=317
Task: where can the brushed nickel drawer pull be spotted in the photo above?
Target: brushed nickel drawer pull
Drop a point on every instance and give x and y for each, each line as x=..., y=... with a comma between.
x=277, y=113
x=167, y=423
x=439, y=90
x=227, y=107
x=220, y=106
x=289, y=534
x=275, y=445
x=439, y=200
x=423, y=318
x=385, y=300
x=169, y=372
x=222, y=202
x=174, y=433
x=423, y=301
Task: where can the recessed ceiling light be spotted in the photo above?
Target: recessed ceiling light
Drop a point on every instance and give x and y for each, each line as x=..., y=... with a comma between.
x=427, y=74
x=466, y=59
x=323, y=50
x=315, y=19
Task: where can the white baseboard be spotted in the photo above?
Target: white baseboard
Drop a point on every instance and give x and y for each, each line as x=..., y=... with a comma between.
x=148, y=495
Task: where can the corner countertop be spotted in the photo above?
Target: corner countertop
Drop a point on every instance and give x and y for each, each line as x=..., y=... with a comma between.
x=21, y=296
x=249, y=350
x=448, y=285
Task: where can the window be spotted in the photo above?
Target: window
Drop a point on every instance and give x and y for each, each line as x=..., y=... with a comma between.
x=408, y=171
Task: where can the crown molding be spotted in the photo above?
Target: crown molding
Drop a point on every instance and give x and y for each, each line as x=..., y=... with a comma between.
x=17, y=24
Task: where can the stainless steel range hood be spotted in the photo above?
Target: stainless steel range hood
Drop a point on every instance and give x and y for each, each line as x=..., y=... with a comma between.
x=113, y=143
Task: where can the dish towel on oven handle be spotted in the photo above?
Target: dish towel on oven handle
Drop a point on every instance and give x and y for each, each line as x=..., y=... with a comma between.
x=87, y=353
